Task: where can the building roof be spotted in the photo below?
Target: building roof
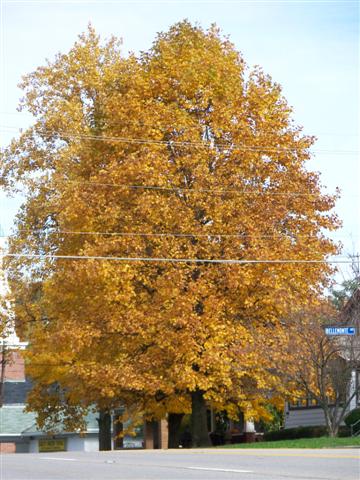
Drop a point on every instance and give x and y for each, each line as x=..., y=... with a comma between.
x=15, y=392
x=91, y=422
x=13, y=419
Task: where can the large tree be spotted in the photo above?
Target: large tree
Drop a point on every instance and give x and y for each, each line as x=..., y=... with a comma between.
x=184, y=153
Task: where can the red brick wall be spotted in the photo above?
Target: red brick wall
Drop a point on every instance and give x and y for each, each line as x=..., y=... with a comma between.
x=15, y=367
x=7, y=447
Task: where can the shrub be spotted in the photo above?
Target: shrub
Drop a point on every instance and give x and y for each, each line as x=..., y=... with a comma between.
x=298, y=432
x=274, y=424
x=344, y=431
x=304, y=432
x=352, y=417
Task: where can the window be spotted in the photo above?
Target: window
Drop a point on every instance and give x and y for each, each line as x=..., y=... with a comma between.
x=303, y=403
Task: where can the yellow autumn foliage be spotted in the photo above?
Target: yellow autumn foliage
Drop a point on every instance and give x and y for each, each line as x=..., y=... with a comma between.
x=181, y=152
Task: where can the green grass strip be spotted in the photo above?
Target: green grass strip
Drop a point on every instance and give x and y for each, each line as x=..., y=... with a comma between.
x=319, y=442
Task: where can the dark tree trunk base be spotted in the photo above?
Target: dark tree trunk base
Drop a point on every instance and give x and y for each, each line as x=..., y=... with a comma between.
x=104, y=422
x=174, y=423
x=199, y=430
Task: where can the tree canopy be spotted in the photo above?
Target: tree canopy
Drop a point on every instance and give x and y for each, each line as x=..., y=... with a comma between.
x=184, y=153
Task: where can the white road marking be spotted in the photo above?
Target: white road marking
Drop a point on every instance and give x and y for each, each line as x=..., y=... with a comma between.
x=59, y=458
x=208, y=469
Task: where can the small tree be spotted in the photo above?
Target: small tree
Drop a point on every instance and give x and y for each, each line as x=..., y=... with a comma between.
x=325, y=367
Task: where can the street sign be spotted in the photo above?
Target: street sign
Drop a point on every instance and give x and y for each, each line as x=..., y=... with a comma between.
x=340, y=330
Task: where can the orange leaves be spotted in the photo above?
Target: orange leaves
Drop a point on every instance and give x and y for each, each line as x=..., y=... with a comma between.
x=231, y=167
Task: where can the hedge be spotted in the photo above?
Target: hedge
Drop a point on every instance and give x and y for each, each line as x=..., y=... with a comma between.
x=303, y=432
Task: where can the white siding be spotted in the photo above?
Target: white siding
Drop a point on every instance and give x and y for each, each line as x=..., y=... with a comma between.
x=33, y=446
x=83, y=444
x=75, y=444
x=307, y=417
x=304, y=418
x=91, y=444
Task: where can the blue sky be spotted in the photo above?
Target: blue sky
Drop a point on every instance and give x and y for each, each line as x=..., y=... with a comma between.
x=310, y=47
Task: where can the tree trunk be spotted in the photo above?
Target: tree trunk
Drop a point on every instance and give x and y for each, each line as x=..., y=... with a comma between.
x=118, y=428
x=331, y=424
x=199, y=430
x=333, y=429
x=2, y=375
x=104, y=422
x=174, y=423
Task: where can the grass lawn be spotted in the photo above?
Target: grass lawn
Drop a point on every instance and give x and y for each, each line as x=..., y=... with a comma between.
x=320, y=442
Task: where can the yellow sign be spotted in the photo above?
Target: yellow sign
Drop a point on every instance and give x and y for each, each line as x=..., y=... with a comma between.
x=52, y=445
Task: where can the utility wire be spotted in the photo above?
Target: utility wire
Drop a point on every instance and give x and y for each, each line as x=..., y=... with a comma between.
x=199, y=144
x=215, y=191
x=168, y=234
x=168, y=260
x=153, y=125
x=147, y=141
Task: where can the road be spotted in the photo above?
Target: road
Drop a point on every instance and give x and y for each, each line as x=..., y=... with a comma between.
x=211, y=464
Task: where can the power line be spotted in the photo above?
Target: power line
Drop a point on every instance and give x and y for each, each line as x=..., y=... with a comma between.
x=143, y=123
x=215, y=191
x=194, y=144
x=169, y=260
x=165, y=235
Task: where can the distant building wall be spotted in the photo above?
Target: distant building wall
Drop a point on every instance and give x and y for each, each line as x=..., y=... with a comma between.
x=22, y=447
x=15, y=368
x=33, y=446
x=91, y=444
x=7, y=447
x=304, y=418
x=83, y=444
x=74, y=443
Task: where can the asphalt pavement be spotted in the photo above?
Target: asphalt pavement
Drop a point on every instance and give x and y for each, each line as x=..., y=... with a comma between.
x=199, y=464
